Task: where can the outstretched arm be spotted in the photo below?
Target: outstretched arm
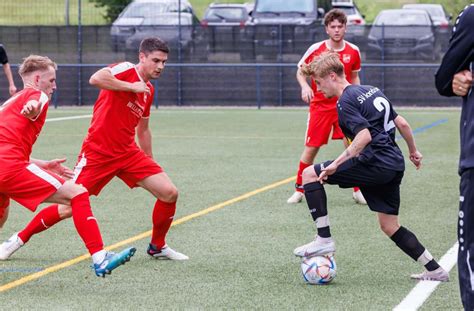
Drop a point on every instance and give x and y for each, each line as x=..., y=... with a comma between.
x=407, y=134
x=55, y=166
x=104, y=79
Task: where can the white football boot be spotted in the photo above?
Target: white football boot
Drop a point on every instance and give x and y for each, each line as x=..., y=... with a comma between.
x=316, y=248
x=165, y=253
x=439, y=274
x=10, y=246
x=296, y=197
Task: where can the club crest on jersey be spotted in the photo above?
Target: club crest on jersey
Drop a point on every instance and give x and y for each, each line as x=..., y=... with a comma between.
x=346, y=58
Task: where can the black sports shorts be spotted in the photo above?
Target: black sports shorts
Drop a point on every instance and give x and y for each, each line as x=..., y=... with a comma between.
x=380, y=186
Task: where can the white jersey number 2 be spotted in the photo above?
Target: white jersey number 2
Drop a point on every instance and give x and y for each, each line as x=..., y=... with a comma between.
x=380, y=104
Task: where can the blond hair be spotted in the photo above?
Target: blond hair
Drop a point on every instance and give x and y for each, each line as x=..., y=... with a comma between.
x=323, y=65
x=36, y=62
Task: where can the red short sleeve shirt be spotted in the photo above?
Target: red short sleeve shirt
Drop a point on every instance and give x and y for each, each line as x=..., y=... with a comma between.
x=350, y=57
x=117, y=113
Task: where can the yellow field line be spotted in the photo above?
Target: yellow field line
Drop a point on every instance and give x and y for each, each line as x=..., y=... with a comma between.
x=37, y=275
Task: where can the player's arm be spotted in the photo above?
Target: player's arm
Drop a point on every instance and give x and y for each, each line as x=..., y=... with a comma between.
x=306, y=90
x=405, y=130
x=361, y=140
x=54, y=166
x=31, y=109
x=8, y=74
x=355, y=77
x=104, y=79
x=144, y=136
x=456, y=58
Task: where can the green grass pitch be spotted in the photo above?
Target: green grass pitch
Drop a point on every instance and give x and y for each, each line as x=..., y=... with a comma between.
x=240, y=255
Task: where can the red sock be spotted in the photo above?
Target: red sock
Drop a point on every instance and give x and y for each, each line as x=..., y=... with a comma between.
x=85, y=222
x=46, y=218
x=299, y=175
x=356, y=189
x=163, y=214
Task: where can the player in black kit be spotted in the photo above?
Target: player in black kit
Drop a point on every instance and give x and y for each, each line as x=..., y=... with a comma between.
x=373, y=161
x=454, y=77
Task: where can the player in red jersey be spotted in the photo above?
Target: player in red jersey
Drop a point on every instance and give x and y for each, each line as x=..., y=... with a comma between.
x=122, y=111
x=31, y=182
x=322, y=116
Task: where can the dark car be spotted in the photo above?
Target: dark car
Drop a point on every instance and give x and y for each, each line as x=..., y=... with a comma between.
x=223, y=25
x=165, y=26
x=141, y=12
x=403, y=34
x=283, y=27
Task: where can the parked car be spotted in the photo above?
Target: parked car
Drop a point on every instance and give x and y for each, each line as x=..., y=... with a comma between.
x=163, y=25
x=355, y=20
x=436, y=11
x=403, y=34
x=283, y=27
x=141, y=12
x=223, y=26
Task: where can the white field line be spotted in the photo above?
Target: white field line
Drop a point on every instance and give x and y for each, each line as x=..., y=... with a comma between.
x=69, y=118
x=420, y=293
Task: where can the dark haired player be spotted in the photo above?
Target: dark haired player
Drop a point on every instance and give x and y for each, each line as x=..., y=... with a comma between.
x=373, y=161
x=121, y=111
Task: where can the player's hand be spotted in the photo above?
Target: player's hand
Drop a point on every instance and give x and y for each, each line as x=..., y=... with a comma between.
x=329, y=170
x=140, y=87
x=56, y=167
x=415, y=158
x=307, y=94
x=31, y=109
x=462, y=82
x=12, y=90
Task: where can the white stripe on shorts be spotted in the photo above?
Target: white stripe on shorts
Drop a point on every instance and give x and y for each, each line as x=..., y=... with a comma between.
x=44, y=175
x=79, y=166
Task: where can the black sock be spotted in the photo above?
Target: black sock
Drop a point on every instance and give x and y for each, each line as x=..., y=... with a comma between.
x=317, y=204
x=408, y=243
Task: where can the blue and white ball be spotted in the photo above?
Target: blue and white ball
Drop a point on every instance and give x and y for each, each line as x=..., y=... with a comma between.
x=319, y=269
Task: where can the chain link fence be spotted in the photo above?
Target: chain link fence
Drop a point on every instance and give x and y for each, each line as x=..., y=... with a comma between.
x=226, y=65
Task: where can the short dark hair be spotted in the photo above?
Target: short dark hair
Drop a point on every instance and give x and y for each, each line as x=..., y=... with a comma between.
x=335, y=14
x=149, y=45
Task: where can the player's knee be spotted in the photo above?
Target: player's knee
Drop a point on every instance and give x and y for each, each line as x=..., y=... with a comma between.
x=309, y=175
x=170, y=194
x=388, y=228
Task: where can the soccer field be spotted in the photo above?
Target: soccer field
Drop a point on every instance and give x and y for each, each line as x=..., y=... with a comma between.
x=234, y=170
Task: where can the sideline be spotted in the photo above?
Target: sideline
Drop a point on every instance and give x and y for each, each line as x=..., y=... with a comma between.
x=69, y=118
x=57, y=267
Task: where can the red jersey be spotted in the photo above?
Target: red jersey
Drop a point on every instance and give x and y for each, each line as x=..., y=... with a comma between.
x=350, y=57
x=117, y=113
x=17, y=132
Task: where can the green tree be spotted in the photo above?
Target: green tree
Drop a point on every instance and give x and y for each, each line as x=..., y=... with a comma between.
x=112, y=7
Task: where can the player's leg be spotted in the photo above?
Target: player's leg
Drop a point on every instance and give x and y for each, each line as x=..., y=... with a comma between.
x=466, y=239
x=45, y=219
x=409, y=244
x=318, y=130
x=86, y=225
x=4, y=209
x=166, y=193
x=317, y=204
x=307, y=158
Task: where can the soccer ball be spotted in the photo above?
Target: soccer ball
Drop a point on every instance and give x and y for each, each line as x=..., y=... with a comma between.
x=319, y=269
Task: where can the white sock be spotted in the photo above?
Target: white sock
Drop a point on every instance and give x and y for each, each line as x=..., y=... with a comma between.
x=99, y=256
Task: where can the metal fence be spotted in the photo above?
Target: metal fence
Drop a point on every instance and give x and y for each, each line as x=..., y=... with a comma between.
x=239, y=65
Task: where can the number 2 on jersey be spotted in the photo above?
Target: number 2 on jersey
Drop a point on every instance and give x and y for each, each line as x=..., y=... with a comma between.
x=380, y=103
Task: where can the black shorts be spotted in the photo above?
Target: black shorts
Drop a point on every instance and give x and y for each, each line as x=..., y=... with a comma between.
x=380, y=186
